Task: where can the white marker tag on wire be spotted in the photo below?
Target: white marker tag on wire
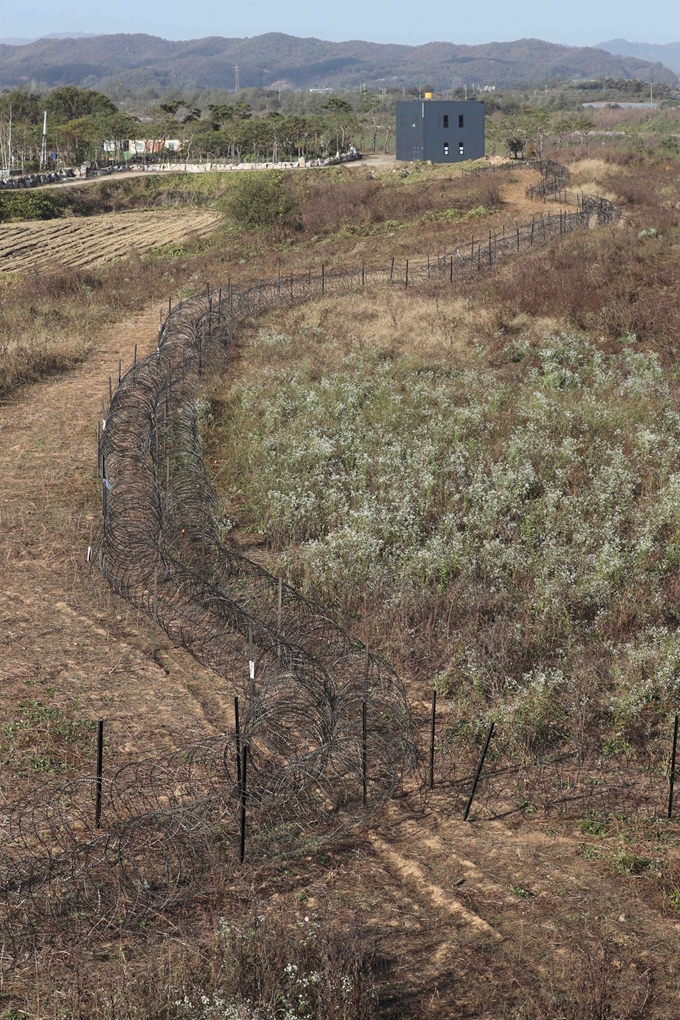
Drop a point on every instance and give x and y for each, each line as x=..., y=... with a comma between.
x=252, y=669
x=89, y=554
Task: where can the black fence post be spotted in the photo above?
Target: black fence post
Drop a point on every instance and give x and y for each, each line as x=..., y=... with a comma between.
x=243, y=794
x=364, y=756
x=432, y=733
x=98, y=785
x=323, y=279
x=478, y=773
x=392, y=268
x=154, y=611
x=672, y=777
x=251, y=664
x=451, y=271
x=407, y=272
x=237, y=732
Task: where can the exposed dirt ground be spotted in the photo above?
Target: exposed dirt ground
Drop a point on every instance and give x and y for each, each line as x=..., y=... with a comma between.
x=471, y=920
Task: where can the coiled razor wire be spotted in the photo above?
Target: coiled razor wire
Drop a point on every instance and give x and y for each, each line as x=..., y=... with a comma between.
x=326, y=722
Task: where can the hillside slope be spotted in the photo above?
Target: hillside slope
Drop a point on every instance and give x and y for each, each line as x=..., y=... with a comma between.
x=143, y=60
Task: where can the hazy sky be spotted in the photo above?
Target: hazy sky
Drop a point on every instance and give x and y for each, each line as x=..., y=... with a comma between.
x=579, y=22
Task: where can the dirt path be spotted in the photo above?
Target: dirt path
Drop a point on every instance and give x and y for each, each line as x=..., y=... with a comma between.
x=64, y=638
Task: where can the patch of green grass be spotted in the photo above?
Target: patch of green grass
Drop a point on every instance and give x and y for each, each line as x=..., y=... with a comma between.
x=45, y=738
x=592, y=827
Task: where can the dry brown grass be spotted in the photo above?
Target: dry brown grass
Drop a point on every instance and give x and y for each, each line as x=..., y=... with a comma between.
x=95, y=240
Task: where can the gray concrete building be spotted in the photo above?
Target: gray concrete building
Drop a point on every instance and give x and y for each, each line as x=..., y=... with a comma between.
x=441, y=130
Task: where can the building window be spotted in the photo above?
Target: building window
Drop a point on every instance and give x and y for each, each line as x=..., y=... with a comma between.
x=446, y=148
x=461, y=149
x=461, y=120
x=446, y=120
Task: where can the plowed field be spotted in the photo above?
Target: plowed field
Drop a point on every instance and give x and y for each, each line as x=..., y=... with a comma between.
x=93, y=240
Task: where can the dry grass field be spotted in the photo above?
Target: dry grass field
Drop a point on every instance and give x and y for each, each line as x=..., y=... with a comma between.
x=95, y=240
x=518, y=918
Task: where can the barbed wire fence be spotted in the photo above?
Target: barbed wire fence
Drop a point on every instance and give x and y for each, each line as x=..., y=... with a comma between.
x=325, y=722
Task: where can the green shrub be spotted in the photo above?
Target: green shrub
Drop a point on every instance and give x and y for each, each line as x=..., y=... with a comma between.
x=260, y=199
x=30, y=205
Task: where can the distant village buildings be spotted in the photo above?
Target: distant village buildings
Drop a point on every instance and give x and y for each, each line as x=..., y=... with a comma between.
x=141, y=146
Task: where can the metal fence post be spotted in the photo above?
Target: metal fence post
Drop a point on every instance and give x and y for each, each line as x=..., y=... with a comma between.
x=155, y=610
x=98, y=786
x=364, y=756
x=432, y=734
x=478, y=773
x=672, y=776
x=237, y=732
x=243, y=794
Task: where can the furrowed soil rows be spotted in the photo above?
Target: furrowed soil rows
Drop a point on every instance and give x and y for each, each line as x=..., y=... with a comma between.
x=96, y=239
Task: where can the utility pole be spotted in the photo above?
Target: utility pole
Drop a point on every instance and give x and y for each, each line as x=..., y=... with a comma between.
x=9, y=142
x=43, y=148
x=237, y=85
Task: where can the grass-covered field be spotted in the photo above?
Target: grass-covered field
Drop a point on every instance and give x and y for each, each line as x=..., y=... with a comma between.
x=502, y=519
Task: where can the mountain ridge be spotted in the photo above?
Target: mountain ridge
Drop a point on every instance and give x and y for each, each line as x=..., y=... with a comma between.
x=667, y=53
x=139, y=60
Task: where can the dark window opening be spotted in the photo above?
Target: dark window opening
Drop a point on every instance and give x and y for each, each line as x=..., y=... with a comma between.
x=446, y=148
x=461, y=149
x=446, y=120
x=461, y=120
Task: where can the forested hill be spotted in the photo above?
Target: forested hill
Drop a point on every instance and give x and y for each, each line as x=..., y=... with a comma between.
x=143, y=61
